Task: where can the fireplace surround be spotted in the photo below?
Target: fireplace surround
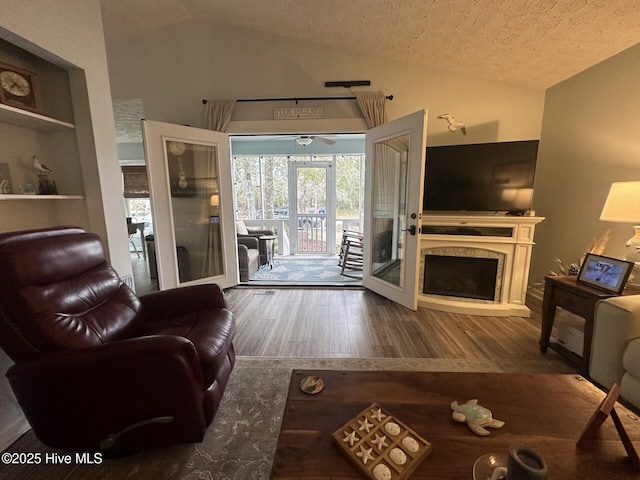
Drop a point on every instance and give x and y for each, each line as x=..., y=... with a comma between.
x=505, y=240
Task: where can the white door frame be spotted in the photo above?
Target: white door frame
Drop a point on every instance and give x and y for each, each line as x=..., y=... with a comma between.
x=330, y=213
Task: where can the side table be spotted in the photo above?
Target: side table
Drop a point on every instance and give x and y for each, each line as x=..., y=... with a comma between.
x=567, y=293
x=266, y=245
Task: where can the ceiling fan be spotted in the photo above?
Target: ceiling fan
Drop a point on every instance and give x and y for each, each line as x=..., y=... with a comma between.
x=304, y=140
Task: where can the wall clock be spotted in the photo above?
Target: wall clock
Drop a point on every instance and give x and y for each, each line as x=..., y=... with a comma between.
x=18, y=88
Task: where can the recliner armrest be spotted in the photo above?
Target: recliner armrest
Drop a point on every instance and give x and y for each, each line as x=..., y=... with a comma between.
x=177, y=301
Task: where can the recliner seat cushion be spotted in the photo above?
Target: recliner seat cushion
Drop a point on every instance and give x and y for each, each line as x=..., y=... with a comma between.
x=211, y=332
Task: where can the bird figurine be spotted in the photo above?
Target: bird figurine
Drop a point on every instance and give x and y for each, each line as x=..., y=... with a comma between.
x=42, y=168
x=453, y=123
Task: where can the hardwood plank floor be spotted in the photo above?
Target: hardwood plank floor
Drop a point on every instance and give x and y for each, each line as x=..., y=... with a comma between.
x=328, y=323
x=357, y=323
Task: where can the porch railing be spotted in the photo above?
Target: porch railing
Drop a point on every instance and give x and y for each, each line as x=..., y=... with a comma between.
x=312, y=233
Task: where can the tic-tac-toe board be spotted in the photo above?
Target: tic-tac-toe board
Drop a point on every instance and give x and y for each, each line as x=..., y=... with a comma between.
x=380, y=445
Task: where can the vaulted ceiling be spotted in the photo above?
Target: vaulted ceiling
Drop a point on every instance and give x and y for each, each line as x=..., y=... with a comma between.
x=536, y=43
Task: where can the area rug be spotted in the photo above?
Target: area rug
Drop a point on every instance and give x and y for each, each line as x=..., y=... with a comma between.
x=241, y=442
x=306, y=269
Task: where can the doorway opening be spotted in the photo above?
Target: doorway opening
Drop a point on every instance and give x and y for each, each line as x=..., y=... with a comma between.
x=307, y=189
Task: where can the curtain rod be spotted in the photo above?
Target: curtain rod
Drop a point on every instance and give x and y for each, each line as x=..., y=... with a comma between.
x=295, y=99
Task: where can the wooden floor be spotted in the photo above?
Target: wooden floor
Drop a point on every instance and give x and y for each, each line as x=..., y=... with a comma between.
x=357, y=323
x=141, y=277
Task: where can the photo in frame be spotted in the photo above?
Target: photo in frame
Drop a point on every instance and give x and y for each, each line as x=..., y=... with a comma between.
x=5, y=179
x=608, y=273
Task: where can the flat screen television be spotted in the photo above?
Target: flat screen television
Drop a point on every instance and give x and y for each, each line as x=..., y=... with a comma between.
x=481, y=177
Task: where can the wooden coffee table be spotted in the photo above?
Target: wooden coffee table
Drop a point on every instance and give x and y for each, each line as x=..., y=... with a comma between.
x=546, y=412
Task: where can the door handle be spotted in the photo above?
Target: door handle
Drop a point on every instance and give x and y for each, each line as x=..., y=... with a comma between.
x=411, y=230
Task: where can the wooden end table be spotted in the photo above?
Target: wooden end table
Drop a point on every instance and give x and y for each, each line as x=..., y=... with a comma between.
x=577, y=298
x=546, y=412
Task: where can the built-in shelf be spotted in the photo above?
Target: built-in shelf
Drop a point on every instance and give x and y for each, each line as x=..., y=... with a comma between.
x=26, y=119
x=40, y=197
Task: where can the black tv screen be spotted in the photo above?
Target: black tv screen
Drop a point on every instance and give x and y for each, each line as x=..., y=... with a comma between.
x=482, y=177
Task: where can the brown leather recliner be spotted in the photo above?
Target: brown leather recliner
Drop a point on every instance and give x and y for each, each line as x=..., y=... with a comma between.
x=97, y=368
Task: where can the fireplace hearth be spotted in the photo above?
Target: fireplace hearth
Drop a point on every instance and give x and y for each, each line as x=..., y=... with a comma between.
x=466, y=277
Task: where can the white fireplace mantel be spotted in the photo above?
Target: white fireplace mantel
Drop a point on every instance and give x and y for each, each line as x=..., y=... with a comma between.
x=509, y=237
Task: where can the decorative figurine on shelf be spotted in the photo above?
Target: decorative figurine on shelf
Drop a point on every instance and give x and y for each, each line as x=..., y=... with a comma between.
x=45, y=186
x=475, y=416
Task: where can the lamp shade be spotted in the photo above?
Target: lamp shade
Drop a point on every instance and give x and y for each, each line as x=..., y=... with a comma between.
x=623, y=203
x=214, y=200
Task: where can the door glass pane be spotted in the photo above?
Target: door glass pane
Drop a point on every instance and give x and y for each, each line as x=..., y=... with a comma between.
x=311, y=208
x=389, y=209
x=195, y=206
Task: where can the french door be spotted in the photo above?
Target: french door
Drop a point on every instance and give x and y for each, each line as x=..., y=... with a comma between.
x=394, y=172
x=190, y=184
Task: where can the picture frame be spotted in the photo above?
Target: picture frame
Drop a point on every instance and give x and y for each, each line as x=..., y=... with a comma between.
x=607, y=273
x=18, y=88
x=6, y=187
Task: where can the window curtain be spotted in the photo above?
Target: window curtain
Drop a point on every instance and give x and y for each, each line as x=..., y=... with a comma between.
x=217, y=117
x=136, y=183
x=373, y=107
x=374, y=111
x=218, y=114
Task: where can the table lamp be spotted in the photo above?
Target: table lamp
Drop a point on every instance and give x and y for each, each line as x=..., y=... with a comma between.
x=214, y=203
x=623, y=206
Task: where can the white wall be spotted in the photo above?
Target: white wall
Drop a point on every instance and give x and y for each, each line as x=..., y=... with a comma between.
x=590, y=138
x=172, y=70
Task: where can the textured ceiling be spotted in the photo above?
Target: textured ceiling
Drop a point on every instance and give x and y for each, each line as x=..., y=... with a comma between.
x=530, y=42
x=127, y=115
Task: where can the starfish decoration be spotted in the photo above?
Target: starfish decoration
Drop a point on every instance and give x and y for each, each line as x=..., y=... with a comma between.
x=380, y=441
x=377, y=414
x=365, y=425
x=351, y=438
x=365, y=454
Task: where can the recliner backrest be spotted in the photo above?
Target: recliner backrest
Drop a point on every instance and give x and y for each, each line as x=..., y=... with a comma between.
x=58, y=292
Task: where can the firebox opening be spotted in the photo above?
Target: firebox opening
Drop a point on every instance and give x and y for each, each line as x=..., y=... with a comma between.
x=468, y=277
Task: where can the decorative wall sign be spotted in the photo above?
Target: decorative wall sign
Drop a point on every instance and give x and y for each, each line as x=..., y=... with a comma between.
x=293, y=113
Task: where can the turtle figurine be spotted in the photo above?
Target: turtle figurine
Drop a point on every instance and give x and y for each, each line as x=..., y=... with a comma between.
x=475, y=416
